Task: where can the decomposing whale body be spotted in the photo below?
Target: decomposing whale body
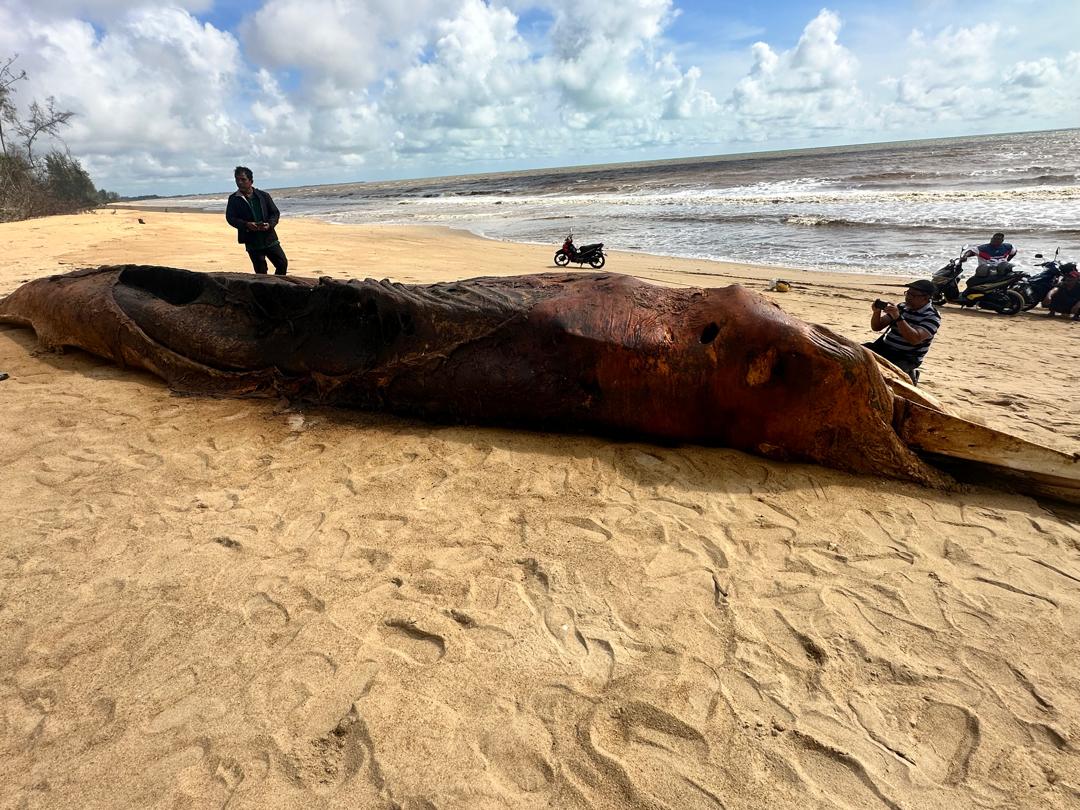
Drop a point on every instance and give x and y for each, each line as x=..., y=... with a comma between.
x=596, y=352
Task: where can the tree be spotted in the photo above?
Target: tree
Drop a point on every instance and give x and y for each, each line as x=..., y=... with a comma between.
x=16, y=187
x=43, y=121
x=8, y=114
x=30, y=184
x=68, y=184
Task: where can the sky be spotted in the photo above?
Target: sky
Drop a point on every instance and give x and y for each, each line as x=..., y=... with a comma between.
x=170, y=97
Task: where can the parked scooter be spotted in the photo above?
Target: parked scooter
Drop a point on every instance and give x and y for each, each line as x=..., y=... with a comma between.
x=592, y=255
x=1035, y=288
x=946, y=281
x=994, y=293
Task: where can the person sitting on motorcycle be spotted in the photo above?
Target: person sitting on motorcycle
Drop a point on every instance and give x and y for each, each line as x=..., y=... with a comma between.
x=994, y=259
x=1064, y=299
x=910, y=328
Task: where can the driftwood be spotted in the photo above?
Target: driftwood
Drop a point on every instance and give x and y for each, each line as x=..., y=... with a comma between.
x=594, y=352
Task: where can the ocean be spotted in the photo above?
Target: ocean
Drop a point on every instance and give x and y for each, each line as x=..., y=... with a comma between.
x=897, y=208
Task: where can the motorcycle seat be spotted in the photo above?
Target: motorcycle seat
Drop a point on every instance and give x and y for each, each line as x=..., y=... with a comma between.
x=584, y=248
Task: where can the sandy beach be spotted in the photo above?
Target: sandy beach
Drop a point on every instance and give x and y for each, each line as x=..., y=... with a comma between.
x=258, y=604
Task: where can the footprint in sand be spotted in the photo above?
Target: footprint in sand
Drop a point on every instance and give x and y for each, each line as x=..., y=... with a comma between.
x=633, y=748
x=517, y=749
x=278, y=605
x=187, y=712
x=832, y=773
x=594, y=656
x=56, y=471
x=946, y=737
x=325, y=763
x=261, y=609
x=487, y=637
x=415, y=645
x=559, y=621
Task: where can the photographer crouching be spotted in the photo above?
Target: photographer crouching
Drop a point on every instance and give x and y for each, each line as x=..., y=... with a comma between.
x=909, y=328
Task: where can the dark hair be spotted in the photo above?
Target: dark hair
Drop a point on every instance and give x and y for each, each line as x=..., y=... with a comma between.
x=244, y=170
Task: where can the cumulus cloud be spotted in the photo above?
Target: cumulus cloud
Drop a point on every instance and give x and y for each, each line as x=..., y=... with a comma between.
x=96, y=10
x=347, y=44
x=1031, y=75
x=977, y=74
x=593, y=45
x=812, y=86
x=478, y=74
x=684, y=100
x=483, y=90
x=458, y=78
x=324, y=90
x=947, y=76
x=1045, y=83
x=152, y=95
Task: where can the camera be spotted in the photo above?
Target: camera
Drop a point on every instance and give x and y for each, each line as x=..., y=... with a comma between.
x=879, y=304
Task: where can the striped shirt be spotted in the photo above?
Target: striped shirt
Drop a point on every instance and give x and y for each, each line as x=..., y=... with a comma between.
x=926, y=318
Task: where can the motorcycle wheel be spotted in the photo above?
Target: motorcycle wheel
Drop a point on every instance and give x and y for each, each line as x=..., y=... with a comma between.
x=939, y=298
x=1030, y=301
x=597, y=261
x=561, y=259
x=1014, y=303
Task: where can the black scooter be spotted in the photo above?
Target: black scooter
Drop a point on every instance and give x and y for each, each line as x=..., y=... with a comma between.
x=592, y=255
x=1035, y=288
x=994, y=293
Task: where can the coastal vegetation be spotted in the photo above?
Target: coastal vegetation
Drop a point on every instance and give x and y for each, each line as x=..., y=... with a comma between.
x=36, y=182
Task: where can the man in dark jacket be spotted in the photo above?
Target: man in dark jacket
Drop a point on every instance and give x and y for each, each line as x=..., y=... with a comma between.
x=254, y=215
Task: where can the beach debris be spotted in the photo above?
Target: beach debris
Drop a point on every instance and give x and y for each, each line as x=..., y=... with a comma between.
x=3, y=376
x=142, y=221
x=778, y=285
x=605, y=353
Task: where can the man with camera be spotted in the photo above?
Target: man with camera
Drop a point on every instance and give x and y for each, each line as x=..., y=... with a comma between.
x=910, y=328
x=253, y=213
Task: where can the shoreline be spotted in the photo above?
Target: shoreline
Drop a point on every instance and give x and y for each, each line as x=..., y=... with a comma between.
x=679, y=264
x=871, y=277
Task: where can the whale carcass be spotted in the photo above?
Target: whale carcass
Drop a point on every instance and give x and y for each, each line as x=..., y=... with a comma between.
x=585, y=352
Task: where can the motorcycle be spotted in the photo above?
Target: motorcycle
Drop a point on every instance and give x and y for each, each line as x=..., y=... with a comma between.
x=994, y=292
x=1035, y=288
x=592, y=255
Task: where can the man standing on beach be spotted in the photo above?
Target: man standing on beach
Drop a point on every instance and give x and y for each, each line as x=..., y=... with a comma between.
x=910, y=326
x=995, y=257
x=254, y=215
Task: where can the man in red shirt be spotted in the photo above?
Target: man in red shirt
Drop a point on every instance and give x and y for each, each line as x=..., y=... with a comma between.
x=995, y=258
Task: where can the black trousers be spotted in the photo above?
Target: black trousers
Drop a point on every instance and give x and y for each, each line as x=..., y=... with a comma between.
x=276, y=256
x=880, y=347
